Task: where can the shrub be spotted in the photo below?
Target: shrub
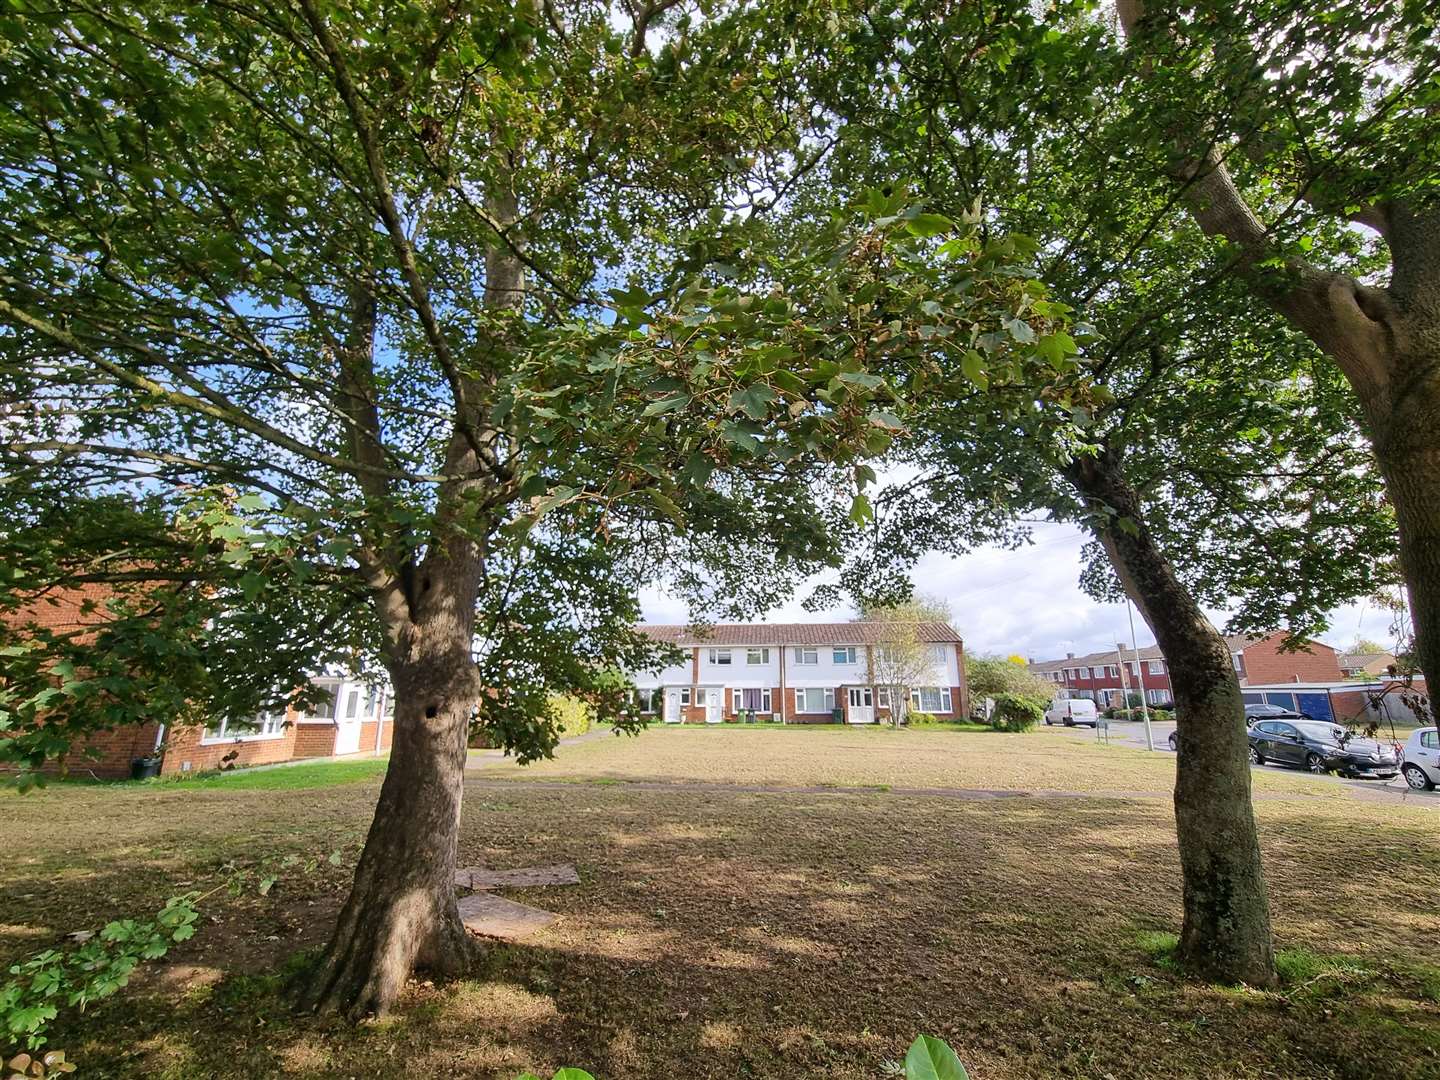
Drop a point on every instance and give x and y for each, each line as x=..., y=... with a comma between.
x=1016, y=712
x=916, y=718
x=573, y=714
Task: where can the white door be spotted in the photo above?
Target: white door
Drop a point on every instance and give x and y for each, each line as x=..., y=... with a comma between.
x=347, y=721
x=862, y=705
x=672, y=705
x=714, y=702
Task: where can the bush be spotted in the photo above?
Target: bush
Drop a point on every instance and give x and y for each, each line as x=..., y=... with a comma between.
x=574, y=715
x=916, y=718
x=1016, y=712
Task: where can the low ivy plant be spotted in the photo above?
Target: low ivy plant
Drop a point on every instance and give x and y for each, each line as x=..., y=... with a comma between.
x=40, y=986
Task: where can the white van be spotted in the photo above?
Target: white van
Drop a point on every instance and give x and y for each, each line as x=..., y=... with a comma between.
x=1072, y=711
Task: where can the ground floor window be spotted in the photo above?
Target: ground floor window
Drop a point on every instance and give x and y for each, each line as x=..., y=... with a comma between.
x=814, y=699
x=756, y=699
x=1157, y=696
x=261, y=726
x=882, y=696
x=931, y=699
x=648, y=699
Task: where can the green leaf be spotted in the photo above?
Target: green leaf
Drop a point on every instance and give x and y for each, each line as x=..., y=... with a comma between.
x=973, y=365
x=931, y=1059
x=886, y=420
x=753, y=401
x=668, y=505
x=860, y=509
x=926, y=225
x=572, y=1074
x=861, y=379
x=667, y=405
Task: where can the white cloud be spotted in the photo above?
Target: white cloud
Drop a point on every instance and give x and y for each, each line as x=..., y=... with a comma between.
x=1026, y=601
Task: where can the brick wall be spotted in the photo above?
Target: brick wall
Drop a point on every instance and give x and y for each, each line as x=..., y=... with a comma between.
x=183, y=747
x=367, y=736
x=116, y=750
x=314, y=740
x=1265, y=663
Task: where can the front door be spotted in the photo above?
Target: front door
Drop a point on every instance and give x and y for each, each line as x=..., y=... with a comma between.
x=347, y=722
x=672, y=705
x=714, y=704
x=862, y=705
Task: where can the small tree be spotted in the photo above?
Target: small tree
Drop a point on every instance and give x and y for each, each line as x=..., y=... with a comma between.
x=902, y=662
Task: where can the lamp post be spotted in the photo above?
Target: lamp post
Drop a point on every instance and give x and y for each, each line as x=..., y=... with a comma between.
x=1140, y=675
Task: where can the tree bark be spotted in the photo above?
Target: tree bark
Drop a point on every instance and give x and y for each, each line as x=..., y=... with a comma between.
x=401, y=913
x=1226, y=932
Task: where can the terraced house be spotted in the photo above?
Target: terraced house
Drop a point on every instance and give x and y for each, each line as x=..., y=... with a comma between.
x=799, y=673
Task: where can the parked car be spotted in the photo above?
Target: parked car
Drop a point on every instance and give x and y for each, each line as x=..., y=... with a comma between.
x=1321, y=747
x=1072, y=711
x=1254, y=713
x=1421, y=757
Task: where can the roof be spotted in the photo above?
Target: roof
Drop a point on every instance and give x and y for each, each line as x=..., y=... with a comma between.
x=1234, y=642
x=841, y=633
x=1364, y=659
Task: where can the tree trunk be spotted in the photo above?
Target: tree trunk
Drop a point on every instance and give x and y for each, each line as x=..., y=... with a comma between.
x=401, y=913
x=1226, y=933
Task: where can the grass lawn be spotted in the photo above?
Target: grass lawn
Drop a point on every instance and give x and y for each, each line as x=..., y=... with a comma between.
x=763, y=903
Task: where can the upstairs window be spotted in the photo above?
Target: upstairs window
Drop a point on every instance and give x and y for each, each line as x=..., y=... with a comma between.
x=844, y=654
x=757, y=656
x=1156, y=667
x=720, y=657
x=807, y=656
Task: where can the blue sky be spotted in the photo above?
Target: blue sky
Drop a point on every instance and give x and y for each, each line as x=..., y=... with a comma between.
x=1029, y=602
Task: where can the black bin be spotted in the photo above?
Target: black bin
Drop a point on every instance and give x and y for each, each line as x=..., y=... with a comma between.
x=142, y=768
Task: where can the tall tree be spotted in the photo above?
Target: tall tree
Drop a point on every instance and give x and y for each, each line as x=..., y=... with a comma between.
x=1170, y=426
x=1277, y=120
x=427, y=304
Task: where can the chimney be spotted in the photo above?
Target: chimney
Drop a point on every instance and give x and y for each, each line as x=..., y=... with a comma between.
x=1030, y=660
x=1069, y=656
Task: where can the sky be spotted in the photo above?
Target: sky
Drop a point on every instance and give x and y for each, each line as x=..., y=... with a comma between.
x=1028, y=602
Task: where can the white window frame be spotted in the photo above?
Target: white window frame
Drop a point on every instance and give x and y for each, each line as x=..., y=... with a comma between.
x=1157, y=696
x=937, y=653
x=942, y=699
x=757, y=657
x=649, y=699
x=1084, y=673
x=807, y=656
x=721, y=657
x=765, y=705
x=312, y=717
x=1155, y=667
x=685, y=695
x=267, y=725
x=803, y=704
x=882, y=697
x=843, y=654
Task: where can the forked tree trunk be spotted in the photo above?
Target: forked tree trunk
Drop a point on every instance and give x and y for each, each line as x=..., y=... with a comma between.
x=401, y=913
x=1226, y=933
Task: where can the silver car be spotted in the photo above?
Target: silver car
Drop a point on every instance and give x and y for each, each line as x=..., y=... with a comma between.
x=1422, y=759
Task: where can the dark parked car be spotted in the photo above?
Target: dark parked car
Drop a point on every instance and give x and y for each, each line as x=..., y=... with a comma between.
x=1253, y=714
x=1271, y=712
x=1321, y=747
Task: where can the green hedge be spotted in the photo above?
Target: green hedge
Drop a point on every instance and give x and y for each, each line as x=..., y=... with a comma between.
x=1016, y=712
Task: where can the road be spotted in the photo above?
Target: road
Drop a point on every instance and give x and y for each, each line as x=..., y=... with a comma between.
x=1132, y=733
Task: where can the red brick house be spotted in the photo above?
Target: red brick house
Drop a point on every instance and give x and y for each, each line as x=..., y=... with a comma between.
x=1106, y=677
x=355, y=721
x=798, y=673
